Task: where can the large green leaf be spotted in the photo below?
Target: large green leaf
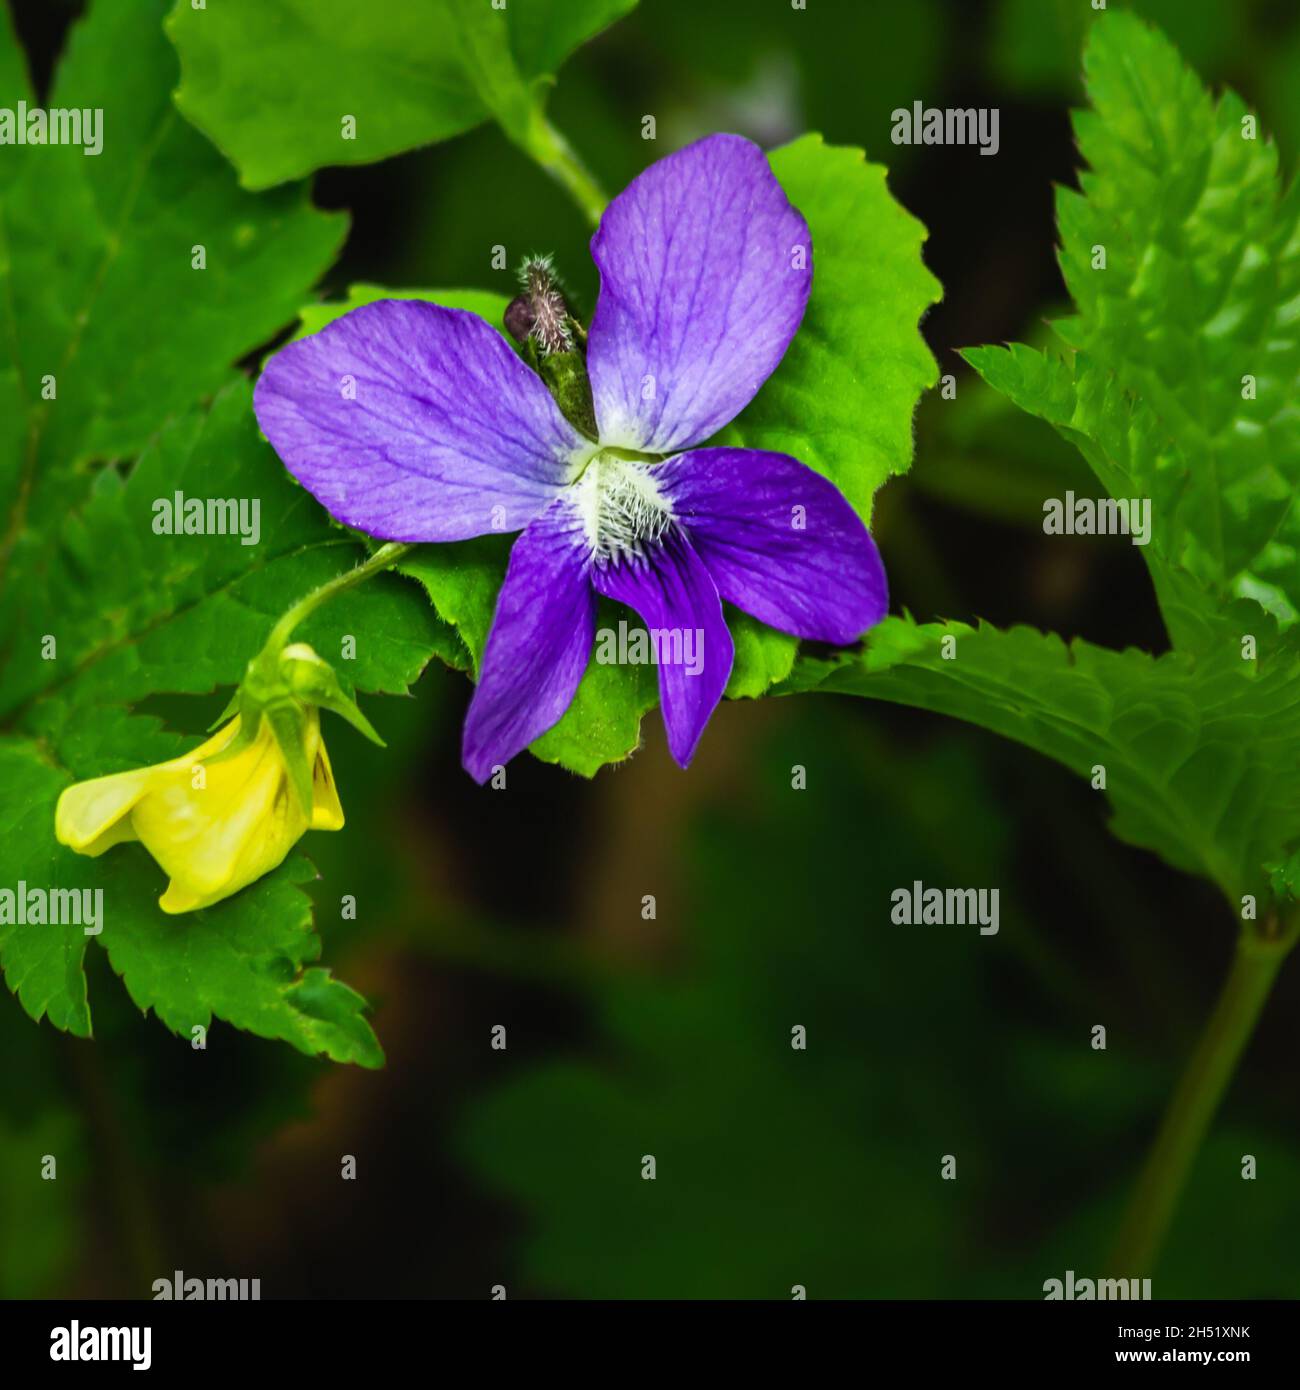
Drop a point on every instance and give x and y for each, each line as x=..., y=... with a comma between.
x=1197, y=290
x=1182, y=364
x=842, y=399
x=1199, y=752
x=115, y=329
x=272, y=82
x=107, y=326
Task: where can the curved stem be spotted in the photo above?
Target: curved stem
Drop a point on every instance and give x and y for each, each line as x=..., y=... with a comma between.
x=543, y=143
x=1259, y=956
x=383, y=558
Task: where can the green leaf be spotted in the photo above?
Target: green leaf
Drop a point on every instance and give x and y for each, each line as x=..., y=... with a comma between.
x=843, y=396
x=247, y=961
x=842, y=399
x=138, y=613
x=138, y=609
x=107, y=326
x=486, y=304
x=273, y=81
x=1195, y=294
x=42, y=965
x=1198, y=751
x=1182, y=363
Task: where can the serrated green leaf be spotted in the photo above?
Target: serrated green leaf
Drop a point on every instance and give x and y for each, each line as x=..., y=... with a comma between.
x=1183, y=260
x=108, y=325
x=42, y=965
x=1198, y=752
x=1185, y=366
x=842, y=398
x=209, y=601
x=247, y=960
x=138, y=613
x=272, y=81
x=485, y=303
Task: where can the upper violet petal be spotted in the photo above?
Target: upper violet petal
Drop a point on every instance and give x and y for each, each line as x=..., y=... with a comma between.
x=539, y=643
x=779, y=541
x=705, y=269
x=416, y=423
x=671, y=590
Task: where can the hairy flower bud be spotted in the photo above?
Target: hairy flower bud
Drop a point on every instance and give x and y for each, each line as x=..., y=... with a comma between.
x=541, y=310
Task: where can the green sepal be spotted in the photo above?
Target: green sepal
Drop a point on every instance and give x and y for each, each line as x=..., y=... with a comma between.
x=286, y=720
x=313, y=680
x=231, y=709
x=565, y=375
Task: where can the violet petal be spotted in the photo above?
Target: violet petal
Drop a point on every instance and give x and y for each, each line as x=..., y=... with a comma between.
x=779, y=540
x=672, y=592
x=416, y=423
x=539, y=643
x=705, y=270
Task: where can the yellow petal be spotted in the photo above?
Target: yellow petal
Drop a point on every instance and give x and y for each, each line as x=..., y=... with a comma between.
x=92, y=816
x=214, y=745
x=216, y=838
x=178, y=898
x=326, y=809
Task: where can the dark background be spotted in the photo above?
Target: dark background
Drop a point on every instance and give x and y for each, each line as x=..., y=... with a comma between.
x=671, y=1037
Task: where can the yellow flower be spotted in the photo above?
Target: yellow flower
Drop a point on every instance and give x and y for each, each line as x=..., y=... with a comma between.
x=214, y=823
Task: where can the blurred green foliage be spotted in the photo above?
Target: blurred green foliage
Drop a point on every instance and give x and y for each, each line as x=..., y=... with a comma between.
x=778, y=1167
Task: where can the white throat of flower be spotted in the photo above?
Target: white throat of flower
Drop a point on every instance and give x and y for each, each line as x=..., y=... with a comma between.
x=621, y=507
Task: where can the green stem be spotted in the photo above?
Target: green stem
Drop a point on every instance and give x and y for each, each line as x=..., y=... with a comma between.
x=1259, y=956
x=543, y=143
x=383, y=558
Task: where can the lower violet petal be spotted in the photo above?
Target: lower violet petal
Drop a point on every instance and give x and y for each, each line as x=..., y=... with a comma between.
x=671, y=590
x=539, y=644
x=779, y=540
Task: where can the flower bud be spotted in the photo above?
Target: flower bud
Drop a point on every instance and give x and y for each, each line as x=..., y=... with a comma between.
x=223, y=815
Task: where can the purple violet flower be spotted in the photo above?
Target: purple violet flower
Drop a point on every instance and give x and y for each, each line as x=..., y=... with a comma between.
x=444, y=433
